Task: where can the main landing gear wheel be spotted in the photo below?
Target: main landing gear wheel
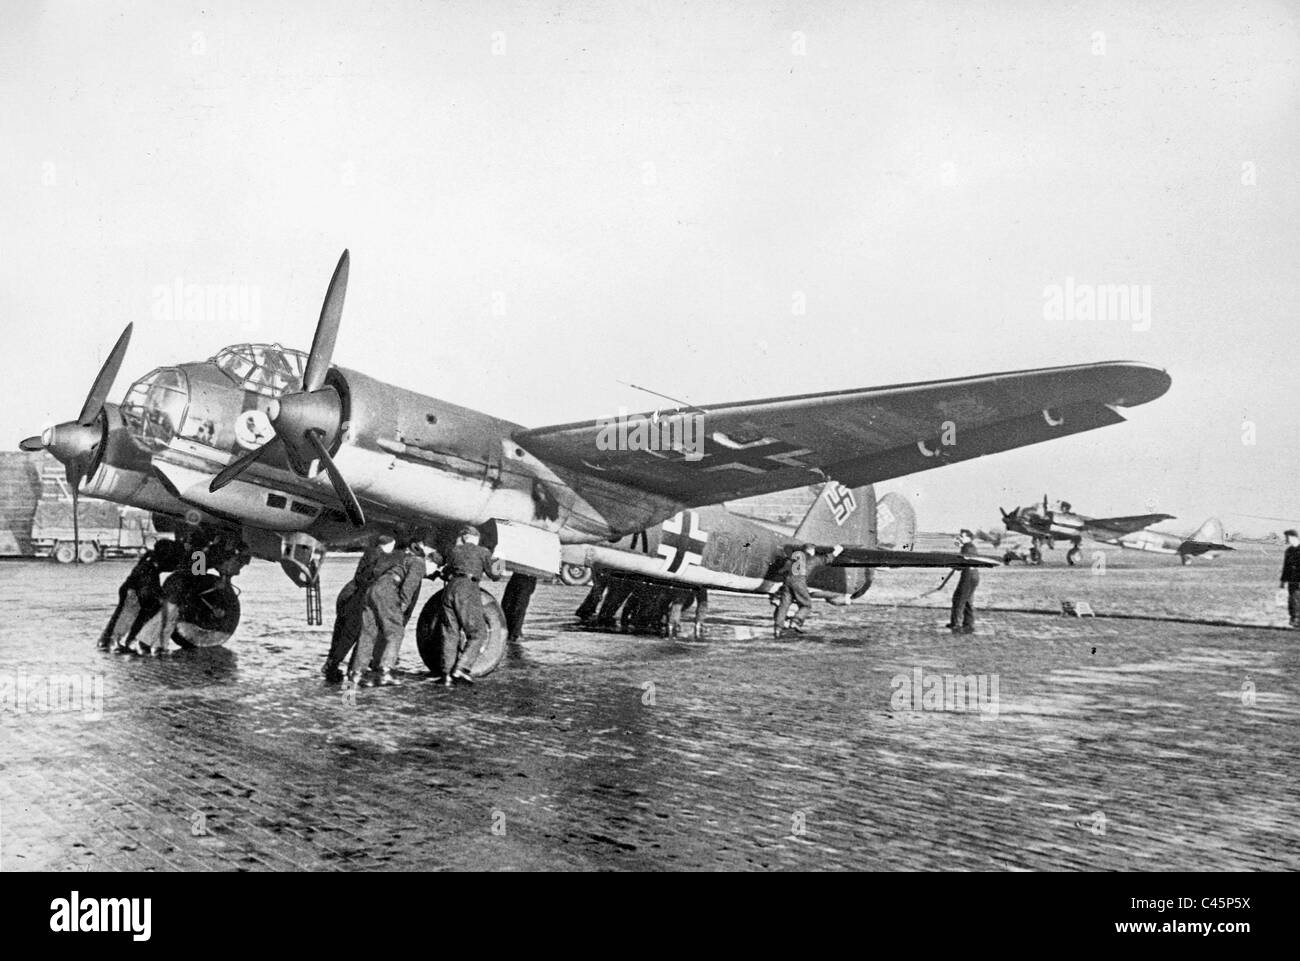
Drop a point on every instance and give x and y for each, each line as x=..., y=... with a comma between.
x=1074, y=556
x=209, y=613
x=492, y=645
x=1035, y=556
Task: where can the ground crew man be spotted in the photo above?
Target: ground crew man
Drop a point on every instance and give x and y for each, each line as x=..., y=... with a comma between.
x=1291, y=576
x=794, y=589
x=390, y=598
x=461, y=618
x=962, y=620
x=140, y=596
x=225, y=554
x=591, y=603
x=618, y=594
x=350, y=605
x=514, y=603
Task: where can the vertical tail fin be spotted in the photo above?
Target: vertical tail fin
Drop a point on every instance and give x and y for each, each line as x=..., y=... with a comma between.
x=840, y=516
x=1211, y=532
x=843, y=516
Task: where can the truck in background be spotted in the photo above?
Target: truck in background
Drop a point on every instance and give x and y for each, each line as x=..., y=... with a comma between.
x=36, y=516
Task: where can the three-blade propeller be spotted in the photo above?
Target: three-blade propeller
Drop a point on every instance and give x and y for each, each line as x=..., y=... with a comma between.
x=308, y=421
x=76, y=443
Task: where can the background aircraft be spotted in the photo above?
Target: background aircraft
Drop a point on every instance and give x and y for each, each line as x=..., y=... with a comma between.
x=1207, y=540
x=1044, y=525
x=299, y=456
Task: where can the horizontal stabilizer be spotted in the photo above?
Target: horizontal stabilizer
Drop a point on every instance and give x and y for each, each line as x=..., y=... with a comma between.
x=1211, y=532
x=876, y=557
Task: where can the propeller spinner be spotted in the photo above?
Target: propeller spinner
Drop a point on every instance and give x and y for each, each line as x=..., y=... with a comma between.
x=308, y=421
x=76, y=443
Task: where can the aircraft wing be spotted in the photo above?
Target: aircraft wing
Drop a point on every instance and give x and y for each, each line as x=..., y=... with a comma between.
x=1118, y=526
x=855, y=436
x=876, y=557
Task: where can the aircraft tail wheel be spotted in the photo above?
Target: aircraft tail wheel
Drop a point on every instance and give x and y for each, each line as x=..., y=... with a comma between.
x=65, y=552
x=209, y=613
x=575, y=575
x=88, y=553
x=1073, y=556
x=492, y=645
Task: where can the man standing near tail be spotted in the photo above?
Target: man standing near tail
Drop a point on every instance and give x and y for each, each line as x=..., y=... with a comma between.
x=1291, y=576
x=962, y=620
x=794, y=590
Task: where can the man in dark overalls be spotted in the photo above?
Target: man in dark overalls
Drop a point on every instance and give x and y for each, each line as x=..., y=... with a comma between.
x=461, y=617
x=591, y=603
x=390, y=598
x=140, y=596
x=618, y=594
x=350, y=605
x=962, y=620
x=514, y=603
x=1291, y=576
x=225, y=555
x=794, y=589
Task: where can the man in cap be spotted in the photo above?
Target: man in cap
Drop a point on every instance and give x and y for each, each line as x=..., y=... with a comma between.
x=794, y=589
x=390, y=599
x=461, y=617
x=351, y=603
x=962, y=620
x=1291, y=576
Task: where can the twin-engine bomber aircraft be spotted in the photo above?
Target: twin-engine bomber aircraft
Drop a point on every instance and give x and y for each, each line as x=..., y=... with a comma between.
x=1045, y=525
x=300, y=456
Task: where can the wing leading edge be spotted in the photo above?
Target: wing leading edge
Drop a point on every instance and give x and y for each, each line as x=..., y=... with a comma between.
x=727, y=451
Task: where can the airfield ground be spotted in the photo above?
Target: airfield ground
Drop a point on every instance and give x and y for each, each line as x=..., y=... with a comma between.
x=1114, y=744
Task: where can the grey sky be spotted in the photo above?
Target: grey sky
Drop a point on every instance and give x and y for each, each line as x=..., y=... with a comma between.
x=649, y=192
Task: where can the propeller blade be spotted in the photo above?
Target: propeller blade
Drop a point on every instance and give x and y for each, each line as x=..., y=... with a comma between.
x=238, y=466
x=341, y=488
x=327, y=328
x=104, y=382
x=31, y=444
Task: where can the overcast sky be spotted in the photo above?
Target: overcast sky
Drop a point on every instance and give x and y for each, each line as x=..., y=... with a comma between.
x=543, y=200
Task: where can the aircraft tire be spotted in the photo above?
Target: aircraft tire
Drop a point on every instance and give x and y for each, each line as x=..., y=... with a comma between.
x=1035, y=556
x=492, y=649
x=210, y=613
x=1073, y=556
x=575, y=575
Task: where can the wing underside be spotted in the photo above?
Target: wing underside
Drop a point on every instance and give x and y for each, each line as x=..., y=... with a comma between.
x=727, y=451
x=1125, y=525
